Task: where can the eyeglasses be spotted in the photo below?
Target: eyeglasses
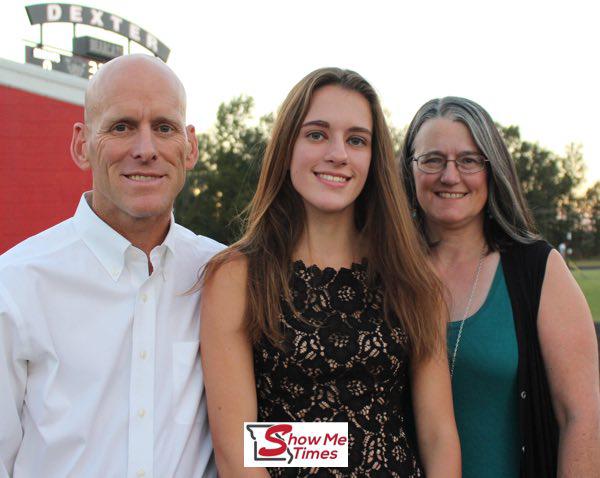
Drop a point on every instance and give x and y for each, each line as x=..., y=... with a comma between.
x=431, y=163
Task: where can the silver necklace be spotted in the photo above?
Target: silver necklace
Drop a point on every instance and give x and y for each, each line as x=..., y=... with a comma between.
x=462, y=324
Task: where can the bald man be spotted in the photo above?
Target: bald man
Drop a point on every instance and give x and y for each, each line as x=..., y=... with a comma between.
x=100, y=373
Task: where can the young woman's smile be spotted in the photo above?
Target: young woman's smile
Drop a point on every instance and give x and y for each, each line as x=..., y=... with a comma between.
x=332, y=154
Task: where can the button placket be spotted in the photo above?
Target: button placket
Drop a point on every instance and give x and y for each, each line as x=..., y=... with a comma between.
x=141, y=426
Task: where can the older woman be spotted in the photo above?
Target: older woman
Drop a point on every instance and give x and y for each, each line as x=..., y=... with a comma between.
x=521, y=342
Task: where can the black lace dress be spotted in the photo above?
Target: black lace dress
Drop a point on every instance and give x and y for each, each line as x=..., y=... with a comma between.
x=340, y=362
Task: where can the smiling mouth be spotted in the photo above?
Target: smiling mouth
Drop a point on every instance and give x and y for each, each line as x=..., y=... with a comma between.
x=332, y=178
x=142, y=178
x=444, y=195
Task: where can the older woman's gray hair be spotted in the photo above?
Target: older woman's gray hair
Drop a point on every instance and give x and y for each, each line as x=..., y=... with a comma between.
x=507, y=216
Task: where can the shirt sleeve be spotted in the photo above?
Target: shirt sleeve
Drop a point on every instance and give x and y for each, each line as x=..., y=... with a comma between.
x=13, y=379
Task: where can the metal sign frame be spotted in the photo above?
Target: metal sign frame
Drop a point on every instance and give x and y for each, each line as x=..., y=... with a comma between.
x=44, y=13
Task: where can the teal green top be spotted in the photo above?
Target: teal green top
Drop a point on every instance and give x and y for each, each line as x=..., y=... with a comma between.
x=484, y=387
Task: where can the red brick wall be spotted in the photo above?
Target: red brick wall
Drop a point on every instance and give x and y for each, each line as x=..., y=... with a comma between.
x=39, y=183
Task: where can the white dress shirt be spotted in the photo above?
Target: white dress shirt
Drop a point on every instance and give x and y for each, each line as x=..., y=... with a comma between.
x=100, y=371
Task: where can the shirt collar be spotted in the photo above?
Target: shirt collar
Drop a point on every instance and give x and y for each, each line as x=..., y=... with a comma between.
x=169, y=241
x=168, y=245
x=105, y=243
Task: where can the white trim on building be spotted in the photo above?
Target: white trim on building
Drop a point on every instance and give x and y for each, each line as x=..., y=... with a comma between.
x=34, y=79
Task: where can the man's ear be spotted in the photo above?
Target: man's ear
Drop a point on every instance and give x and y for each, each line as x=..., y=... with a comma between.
x=192, y=155
x=78, y=146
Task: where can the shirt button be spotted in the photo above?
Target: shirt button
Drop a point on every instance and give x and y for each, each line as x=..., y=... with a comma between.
x=141, y=413
x=523, y=395
x=144, y=297
x=143, y=355
x=140, y=473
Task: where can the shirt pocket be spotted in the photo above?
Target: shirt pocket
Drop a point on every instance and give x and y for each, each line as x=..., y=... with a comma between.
x=187, y=381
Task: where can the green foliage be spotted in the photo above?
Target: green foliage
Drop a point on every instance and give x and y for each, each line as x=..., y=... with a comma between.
x=397, y=138
x=223, y=182
x=397, y=134
x=549, y=181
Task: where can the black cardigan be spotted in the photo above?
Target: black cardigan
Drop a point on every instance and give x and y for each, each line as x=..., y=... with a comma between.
x=524, y=267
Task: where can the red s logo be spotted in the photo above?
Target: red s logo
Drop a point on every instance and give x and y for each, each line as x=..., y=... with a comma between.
x=270, y=436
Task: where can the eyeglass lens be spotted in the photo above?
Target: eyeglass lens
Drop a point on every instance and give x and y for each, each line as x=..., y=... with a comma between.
x=435, y=163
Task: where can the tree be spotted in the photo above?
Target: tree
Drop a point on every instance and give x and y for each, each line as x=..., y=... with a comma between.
x=549, y=182
x=396, y=134
x=224, y=179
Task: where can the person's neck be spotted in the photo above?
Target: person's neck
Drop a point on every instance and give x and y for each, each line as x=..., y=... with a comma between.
x=143, y=233
x=456, y=245
x=329, y=240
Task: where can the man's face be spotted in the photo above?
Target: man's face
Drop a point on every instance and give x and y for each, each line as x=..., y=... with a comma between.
x=137, y=144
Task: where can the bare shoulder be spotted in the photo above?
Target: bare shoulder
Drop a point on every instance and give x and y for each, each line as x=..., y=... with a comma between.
x=223, y=301
x=232, y=271
x=556, y=266
x=560, y=291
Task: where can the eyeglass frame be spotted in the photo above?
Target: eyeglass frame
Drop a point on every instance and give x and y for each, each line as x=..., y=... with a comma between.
x=485, y=160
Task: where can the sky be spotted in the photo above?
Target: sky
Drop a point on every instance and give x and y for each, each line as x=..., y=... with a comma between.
x=529, y=63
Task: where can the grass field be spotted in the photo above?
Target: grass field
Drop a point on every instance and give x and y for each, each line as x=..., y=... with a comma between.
x=593, y=262
x=589, y=281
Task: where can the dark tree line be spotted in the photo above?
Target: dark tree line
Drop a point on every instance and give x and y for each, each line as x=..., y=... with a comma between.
x=550, y=182
x=220, y=187
x=223, y=181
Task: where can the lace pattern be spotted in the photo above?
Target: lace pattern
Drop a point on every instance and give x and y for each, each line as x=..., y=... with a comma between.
x=340, y=362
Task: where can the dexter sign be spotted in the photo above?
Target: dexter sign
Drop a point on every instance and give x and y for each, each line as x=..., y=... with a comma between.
x=64, y=12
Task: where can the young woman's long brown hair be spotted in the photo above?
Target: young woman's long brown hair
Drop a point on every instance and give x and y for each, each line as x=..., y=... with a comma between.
x=276, y=218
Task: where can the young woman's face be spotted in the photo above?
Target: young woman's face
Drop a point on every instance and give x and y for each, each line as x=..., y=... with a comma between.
x=332, y=154
x=449, y=198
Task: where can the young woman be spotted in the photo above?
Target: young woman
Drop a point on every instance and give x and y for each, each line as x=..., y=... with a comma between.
x=326, y=309
x=521, y=342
